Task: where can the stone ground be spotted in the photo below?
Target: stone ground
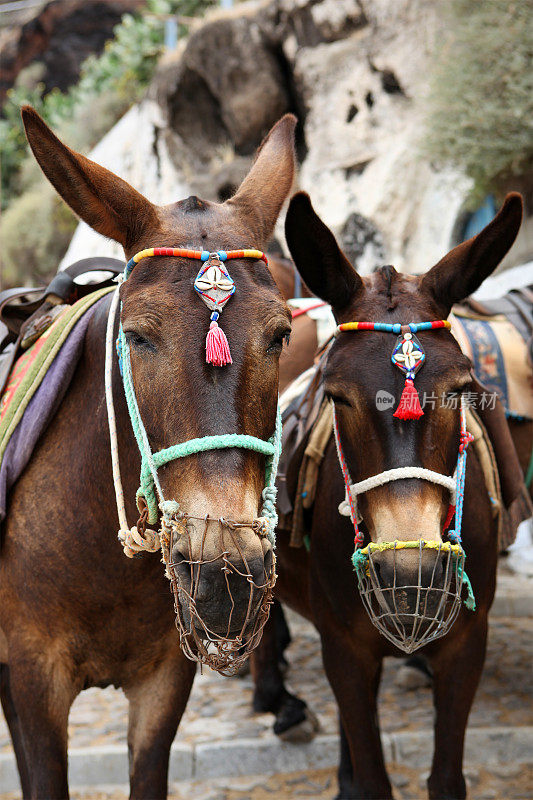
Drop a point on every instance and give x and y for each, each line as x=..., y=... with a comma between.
x=98, y=717
x=497, y=783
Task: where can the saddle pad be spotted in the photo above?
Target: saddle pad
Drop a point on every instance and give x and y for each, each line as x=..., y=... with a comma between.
x=318, y=311
x=37, y=384
x=499, y=355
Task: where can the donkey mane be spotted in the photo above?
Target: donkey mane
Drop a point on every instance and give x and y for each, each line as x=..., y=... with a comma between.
x=387, y=272
x=193, y=203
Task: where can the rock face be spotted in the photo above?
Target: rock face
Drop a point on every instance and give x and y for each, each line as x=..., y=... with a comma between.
x=229, y=87
x=355, y=73
x=60, y=37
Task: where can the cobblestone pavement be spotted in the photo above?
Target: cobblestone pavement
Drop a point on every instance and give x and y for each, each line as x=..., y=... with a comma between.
x=511, y=784
x=220, y=709
x=500, y=782
x=504, y=697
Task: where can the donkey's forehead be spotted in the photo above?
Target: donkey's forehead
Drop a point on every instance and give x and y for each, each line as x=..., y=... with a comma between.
x=394, y=293
x=200, y=224
x=388, y=280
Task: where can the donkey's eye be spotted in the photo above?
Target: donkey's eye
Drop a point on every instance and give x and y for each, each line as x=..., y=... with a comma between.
x=135, y=339
x=276, y=345
x=337, y=399
x=459, y=388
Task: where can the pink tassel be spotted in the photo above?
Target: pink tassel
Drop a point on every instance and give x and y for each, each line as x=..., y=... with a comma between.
x=216, y=346
x=409, y=406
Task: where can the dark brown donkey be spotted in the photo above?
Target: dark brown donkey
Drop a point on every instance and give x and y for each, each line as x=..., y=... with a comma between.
x=74, y=611
x=325, y=588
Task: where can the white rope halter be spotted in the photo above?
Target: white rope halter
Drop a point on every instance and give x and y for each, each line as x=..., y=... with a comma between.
x=388, y=475
x=131, y=539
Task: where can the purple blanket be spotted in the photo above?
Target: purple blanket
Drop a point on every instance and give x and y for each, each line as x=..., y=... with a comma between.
x=42, y=407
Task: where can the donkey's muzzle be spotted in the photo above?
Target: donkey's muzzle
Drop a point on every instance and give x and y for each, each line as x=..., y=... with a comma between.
x=412, y=594
x=221, y=596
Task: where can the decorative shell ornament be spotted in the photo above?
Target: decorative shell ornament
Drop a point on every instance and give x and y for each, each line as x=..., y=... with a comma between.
x=408, y=355
x=215, y=286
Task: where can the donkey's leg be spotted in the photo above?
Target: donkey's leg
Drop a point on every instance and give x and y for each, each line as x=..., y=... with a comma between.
x=42, y=693
x=283, y=634
x=157, y=703
x=354, y=672
x=345, y=770
x=294, y=721
x=13, y=723
x=457, y=667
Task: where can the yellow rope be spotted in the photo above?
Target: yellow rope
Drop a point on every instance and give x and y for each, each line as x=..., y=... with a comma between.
x=379, y=547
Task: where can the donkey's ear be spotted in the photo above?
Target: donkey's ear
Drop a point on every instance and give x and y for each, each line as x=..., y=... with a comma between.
x=265, y=188
x=464, y=268
x=318, y=258
x=103, y=200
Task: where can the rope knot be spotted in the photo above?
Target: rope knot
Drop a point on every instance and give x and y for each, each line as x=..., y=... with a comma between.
x=465, y=440
x=269, y=500
x=133, y=542
x=169, y=508
x=263, y=527
x=358, y=539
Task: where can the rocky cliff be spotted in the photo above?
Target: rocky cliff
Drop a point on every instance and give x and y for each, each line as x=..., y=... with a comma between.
x=354, y=71
x=58, y=38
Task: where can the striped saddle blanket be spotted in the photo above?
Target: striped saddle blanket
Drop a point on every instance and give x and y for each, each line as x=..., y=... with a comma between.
x=36, y=386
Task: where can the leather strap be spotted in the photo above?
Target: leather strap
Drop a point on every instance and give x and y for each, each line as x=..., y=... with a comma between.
x=17, y=305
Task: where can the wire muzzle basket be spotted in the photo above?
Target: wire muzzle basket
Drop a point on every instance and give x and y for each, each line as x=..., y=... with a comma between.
x=416, y=605
x=224, y=652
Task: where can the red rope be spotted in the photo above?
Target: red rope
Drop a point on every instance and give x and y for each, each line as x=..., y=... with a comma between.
x=297, y=312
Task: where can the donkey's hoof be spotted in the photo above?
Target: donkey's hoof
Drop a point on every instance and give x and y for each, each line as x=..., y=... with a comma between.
x=411, y=678
x=299, y=732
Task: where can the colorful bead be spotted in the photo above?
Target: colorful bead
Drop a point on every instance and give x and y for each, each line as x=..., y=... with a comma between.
x=395, y=327
x=214, y=285
x=179, y=252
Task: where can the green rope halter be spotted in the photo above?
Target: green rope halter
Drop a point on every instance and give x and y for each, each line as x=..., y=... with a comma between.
x=150, y=487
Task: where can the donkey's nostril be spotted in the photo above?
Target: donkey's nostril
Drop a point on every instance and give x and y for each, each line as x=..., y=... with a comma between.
x=177, y=557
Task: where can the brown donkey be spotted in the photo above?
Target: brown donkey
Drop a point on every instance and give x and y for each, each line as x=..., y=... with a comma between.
x=74, y=611
x=323, y=585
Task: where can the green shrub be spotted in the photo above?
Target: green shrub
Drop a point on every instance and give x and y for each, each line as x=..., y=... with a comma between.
x=109, y=84
x=36, y=227
x=35, y=232
x=480, y=106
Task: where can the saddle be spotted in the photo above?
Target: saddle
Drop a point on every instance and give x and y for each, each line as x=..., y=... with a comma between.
x=308, y=428
x=26, y=313
x=516, y=306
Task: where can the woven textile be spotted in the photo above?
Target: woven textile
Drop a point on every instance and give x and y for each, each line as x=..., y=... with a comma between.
x=37, y=384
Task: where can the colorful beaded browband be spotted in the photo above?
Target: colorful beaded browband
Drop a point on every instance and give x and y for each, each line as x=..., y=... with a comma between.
x=408, y=355
x=213, y=284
